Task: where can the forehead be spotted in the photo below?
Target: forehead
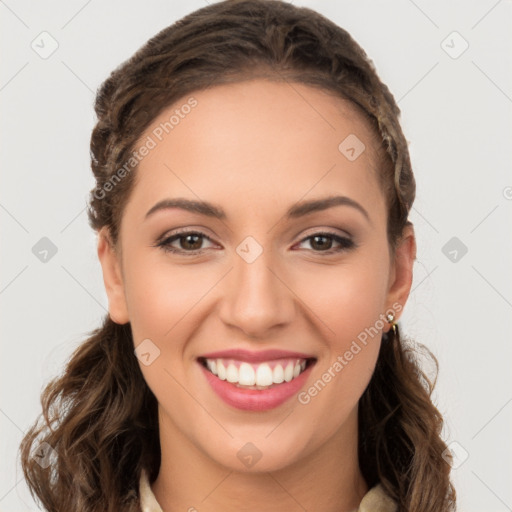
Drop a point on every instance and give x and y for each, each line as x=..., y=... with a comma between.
x=259, y=139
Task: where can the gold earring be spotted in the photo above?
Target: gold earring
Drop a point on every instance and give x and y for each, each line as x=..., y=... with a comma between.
x=390, y=317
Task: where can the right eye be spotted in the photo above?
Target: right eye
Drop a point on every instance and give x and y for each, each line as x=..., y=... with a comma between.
x=189, y=242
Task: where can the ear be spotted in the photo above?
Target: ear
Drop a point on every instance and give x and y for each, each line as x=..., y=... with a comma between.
x=112, y=277
x=401, y=275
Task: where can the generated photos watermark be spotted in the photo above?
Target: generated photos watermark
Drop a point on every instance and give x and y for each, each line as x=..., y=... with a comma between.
x=342, y=360
x=150, y=143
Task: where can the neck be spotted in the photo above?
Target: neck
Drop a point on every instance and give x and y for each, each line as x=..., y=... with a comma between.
x=328, y=479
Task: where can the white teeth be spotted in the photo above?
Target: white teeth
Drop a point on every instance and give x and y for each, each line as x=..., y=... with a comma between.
x=278, y=374
x=288, y=372
x=221, y=370
x=246, y=375
x=232, y=373
x=261, y=375
x=212, y=365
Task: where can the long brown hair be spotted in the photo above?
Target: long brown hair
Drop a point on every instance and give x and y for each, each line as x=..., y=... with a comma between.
x=99, y=416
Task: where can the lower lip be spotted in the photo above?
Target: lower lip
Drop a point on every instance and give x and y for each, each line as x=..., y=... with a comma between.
x=255, y=399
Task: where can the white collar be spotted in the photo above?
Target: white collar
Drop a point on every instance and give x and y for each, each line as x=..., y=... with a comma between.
x=375, y=500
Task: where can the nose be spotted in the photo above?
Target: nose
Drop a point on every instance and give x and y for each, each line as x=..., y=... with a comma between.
x=256, y=298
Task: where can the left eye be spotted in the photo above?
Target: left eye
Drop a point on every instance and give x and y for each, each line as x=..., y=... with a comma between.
x=323, y=242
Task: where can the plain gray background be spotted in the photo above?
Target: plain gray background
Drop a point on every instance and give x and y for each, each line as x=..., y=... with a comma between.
x=456, y=107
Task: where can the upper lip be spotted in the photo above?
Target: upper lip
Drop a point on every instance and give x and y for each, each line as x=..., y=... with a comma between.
x=257, y=356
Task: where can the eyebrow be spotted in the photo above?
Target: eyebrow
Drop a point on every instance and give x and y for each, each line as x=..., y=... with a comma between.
x=298, y=210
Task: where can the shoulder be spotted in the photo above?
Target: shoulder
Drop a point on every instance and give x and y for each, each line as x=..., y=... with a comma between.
x=148, y=501
x=376, y=500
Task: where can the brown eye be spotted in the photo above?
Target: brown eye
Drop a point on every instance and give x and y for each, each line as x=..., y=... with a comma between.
x=323, y=242
x=190, y=242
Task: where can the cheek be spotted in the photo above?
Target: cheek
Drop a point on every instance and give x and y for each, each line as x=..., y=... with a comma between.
x=349, y=303
x=161, y=295
x=163, y=300
x=346, y=298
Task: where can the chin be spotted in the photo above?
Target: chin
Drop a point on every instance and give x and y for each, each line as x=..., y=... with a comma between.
x=258, y=455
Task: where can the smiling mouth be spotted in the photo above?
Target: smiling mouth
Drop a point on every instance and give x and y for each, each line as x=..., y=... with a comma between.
x=263, y=375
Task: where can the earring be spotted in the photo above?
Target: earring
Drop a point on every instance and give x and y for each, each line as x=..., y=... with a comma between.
x=390, y=317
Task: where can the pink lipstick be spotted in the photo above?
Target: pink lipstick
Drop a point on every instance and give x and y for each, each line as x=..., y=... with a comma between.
x=256, y=381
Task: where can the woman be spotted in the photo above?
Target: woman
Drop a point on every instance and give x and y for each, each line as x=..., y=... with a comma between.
x=253, y=187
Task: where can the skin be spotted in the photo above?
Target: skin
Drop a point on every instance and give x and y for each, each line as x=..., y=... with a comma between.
x=256, y=148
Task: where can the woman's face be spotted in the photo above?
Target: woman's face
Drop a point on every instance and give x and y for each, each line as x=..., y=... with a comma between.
x=270, y=265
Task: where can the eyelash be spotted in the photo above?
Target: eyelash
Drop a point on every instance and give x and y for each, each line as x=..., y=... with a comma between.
x=165, y=244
